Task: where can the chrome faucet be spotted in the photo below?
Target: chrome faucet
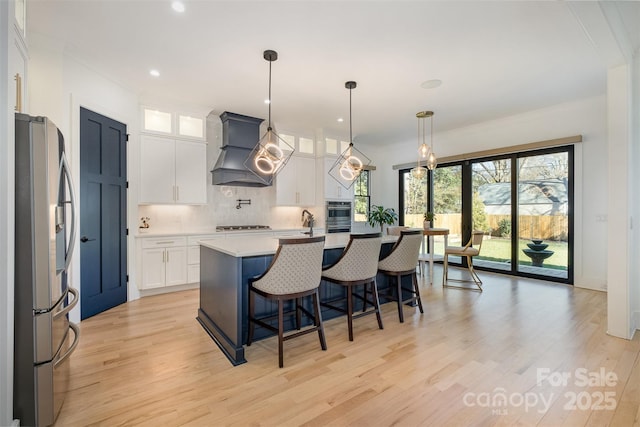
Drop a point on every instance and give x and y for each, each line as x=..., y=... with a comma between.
x=308, y=221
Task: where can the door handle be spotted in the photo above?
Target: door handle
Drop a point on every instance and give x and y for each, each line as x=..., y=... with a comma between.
x=85, y=239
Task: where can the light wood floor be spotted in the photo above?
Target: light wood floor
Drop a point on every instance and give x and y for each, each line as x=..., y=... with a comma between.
x=149, y=363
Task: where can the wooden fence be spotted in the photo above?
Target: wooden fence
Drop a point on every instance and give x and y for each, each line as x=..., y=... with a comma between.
x=546, y=227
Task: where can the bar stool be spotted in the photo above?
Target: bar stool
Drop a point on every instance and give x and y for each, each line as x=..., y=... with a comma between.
x=471, y=249
x=357, y=265
x=294, y=273
x=401, y=262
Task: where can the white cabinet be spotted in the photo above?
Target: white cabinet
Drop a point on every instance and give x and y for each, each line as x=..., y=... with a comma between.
x=171, y=123
x=172, y=171
x=17, y=58
x=164, y=262
x=296, y=183
x=333, y=190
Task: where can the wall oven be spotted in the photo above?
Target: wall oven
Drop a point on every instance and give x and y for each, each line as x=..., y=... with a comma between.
x=338, y=217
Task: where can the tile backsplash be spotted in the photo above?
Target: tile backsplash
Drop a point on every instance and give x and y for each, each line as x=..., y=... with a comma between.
x=221, y=210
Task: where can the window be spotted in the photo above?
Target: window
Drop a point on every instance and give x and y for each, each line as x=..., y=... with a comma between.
x=522, y=201
x=362, y=197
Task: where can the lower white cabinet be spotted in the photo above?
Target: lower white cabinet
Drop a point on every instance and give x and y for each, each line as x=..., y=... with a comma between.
x=164, y=262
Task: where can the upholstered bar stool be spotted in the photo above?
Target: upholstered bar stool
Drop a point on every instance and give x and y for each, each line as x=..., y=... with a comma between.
x=471, y=249
x=357, y=265
x=402, y=261
x=294, y=273
x=395, y=230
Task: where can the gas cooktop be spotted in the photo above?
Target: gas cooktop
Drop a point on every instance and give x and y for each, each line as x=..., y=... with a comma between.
x=242, y=227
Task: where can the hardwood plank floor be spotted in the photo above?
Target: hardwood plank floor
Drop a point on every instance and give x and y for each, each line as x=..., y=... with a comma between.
x=471, y=359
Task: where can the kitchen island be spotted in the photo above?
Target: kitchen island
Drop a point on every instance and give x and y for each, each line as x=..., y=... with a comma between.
x=225, y=267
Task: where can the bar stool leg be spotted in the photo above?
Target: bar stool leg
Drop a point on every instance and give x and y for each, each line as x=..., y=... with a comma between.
x=318, y=320
x=280, y=332
x=399, y=288
x=350, y=312
x=252, y=297
x=376, y=302
x=414, y=279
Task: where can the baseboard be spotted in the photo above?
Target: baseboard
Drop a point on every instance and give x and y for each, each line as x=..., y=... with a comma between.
x=168, y=289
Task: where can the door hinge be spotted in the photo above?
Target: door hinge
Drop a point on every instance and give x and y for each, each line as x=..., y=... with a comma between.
x=127, y=137
x=127, y=278
x=127, y=231
x=127, y=184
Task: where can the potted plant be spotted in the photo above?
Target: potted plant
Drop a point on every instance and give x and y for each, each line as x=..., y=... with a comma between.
x=428, y=219
x=379, y=215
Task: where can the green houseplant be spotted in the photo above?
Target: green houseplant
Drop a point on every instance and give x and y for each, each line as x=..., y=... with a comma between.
x=379, y=215
x=428, y=219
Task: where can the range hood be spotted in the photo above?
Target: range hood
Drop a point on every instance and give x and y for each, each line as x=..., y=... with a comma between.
x=240, y=134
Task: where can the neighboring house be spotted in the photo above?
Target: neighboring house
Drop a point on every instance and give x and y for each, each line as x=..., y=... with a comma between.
x=535, y=197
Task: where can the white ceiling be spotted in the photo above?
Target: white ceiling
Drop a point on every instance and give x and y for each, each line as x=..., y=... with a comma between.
x=494, y=58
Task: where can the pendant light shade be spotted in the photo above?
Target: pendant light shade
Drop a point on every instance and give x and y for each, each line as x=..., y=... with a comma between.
x=425, y=152
x=271, y=153
x=351, y=161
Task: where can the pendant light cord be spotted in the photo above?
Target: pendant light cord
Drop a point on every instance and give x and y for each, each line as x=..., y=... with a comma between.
x=350, y=120
x=431, y=133
x=269, y=127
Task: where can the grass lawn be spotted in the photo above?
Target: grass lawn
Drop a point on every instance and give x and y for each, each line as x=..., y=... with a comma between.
x=499, y=249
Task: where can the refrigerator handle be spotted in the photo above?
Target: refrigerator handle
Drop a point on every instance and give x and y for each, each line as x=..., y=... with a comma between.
x=76, y=339
x=70, y=305
x=64, y=167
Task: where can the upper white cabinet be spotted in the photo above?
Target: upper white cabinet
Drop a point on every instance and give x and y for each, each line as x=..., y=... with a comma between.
x=172, y=171
x=334, y=147
x=300, y=144
x=172, y=123
x=17, y=58
x=296, y=182
x=333, y=190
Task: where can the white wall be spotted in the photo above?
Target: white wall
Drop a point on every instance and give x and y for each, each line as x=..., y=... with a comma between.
x=6, y=226
x=585, y=117
x=59, y=86
x=634, y=296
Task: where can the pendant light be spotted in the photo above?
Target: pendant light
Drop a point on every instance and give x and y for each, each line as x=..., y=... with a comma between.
x=432, y=162
x=423, y=150
x=271, y=153
x=351, y=161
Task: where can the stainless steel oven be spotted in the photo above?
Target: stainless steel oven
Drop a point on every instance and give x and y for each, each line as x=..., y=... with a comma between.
x=338, y=217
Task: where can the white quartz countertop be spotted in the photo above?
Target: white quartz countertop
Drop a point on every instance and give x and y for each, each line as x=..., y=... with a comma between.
x=267, y=245
x=212, y=231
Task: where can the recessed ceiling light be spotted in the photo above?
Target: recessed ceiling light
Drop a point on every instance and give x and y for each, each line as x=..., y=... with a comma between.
x=154, y=73
x=178, y=6
x=340, y=120
x=430, y=84
x=266, y=101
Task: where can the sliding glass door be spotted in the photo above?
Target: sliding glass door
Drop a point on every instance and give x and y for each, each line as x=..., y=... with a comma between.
x=543, y=214
x=522, y=201
x=491, y=211
x=447, y=206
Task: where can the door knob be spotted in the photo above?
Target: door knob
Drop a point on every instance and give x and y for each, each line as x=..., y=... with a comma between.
x=85, y=239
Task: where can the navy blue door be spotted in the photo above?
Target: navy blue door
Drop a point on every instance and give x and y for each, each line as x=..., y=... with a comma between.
x=103, y=207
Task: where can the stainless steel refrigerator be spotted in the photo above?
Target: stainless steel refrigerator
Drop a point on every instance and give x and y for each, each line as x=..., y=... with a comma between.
x=45, y=228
